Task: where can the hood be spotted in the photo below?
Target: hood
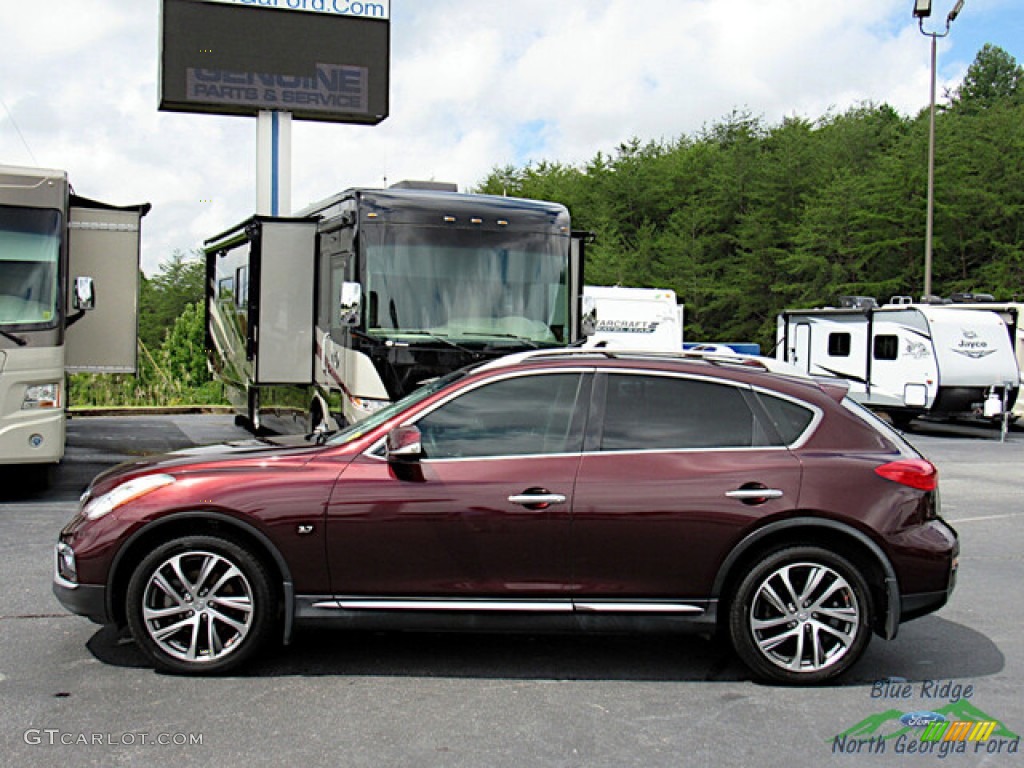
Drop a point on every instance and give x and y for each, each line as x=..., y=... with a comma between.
x=238, y=454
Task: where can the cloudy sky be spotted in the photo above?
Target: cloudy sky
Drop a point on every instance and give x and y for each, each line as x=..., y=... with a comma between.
x=474, y=84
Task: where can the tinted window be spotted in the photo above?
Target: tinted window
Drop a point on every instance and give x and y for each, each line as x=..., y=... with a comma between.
x=524, y=415
x=660, y=412
x=790, y=419
x=839, y=345
x=886, y=347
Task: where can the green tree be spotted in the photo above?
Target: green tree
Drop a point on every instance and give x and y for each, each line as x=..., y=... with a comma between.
x=994, y=78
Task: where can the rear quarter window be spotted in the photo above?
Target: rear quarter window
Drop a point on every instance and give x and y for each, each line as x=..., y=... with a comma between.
x=791, y=419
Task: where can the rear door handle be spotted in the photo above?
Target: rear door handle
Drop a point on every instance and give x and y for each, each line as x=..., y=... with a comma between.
x=537, y=498
x=754, y=495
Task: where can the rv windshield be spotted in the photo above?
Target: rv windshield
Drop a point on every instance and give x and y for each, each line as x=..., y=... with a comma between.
x=465, y=284
x=29, y=252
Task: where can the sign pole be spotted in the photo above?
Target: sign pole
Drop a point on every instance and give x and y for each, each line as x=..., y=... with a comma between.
x=273, y=163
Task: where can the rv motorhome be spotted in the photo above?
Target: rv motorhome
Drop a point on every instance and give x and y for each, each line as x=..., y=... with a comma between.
x=907, y=361
x=325, y=317
x=649, y=319
x=69, y=276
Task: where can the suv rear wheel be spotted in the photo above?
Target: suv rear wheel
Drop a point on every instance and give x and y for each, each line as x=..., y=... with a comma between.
x=801, y=615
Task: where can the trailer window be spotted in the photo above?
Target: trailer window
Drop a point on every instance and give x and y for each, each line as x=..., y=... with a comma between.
x=839, y=345
x=886, y=347
x=30, y=240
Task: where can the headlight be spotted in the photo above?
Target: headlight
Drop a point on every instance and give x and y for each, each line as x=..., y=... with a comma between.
x=41, y=396
x=368, y=405
x=124, y=493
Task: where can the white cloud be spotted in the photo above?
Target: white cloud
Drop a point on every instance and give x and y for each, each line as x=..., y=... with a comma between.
x=474, y=84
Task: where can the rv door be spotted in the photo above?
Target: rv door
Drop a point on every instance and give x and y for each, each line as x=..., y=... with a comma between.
x=103, y=244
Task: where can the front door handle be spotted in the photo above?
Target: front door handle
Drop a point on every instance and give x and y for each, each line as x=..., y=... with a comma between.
x=537, y=498
x=749, y=495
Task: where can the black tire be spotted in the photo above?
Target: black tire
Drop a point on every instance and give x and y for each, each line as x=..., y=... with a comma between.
x=189, y=622
x=808, y=632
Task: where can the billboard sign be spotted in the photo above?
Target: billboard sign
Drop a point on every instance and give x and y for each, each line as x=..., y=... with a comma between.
x=371, y=9
x=238, y=57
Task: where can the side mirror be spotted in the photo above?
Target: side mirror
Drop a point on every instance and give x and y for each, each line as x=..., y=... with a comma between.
x=84, y=295
x=350, y=304
x=404, y=444
x=588, y=322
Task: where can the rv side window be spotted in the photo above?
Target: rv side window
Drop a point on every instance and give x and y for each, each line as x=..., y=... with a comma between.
x=839, y=345
x=886, y=347
x=242, y=280
x=226, y=289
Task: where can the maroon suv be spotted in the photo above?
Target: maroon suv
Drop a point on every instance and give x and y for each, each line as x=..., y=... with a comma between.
x=580, y=489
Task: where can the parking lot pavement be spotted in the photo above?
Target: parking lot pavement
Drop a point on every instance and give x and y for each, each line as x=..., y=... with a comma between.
x=77, y=694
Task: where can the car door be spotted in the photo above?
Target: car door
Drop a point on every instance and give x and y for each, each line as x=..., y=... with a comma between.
x=674, y=473
x=485, y=511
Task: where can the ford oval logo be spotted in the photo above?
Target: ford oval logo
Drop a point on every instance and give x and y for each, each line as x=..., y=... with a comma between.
x=921, y=719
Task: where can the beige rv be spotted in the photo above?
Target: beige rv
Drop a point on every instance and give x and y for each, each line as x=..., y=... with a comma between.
x=69, y=271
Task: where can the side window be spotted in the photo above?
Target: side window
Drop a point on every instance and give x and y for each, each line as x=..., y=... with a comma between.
x=667, y=413
x=242, y=281
x=513, y=417
x=790, y=419
x=226, y=289
x=839, y=345
x=886, y=347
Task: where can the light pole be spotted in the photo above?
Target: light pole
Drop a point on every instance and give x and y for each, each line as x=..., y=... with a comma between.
x=922, y=10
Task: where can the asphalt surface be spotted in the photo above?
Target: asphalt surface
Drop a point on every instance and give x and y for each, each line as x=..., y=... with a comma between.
x=74, y=694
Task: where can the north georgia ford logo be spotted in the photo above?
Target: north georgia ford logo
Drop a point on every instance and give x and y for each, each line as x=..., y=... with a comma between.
x=921, y=719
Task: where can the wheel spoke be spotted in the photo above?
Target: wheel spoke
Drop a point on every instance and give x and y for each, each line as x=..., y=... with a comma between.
x=165, y=586
x=773, y=599
x=208, y=566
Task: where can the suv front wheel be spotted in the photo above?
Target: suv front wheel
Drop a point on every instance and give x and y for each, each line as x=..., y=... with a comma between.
x=200, y=604
x=801, y=615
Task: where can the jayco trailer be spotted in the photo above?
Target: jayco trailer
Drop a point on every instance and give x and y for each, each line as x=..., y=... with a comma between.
x=330, y=315
x=69, y=272
x=636, y=318
x=905, y=360
x=1012, y=314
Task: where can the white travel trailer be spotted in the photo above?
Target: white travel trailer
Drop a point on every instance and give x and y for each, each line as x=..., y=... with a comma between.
x=1012, y=314
x=69, y=276
x=907, y=361
x=649, y=319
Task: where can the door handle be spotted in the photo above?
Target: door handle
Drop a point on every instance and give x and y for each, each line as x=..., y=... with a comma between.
x=754, y=495
x=537, y=499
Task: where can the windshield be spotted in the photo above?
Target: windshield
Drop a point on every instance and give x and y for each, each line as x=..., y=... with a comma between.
x=29, y=251
x=466, y=284
x=360, y=428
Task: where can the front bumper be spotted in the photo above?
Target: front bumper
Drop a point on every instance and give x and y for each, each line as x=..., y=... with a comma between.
x=89, y=600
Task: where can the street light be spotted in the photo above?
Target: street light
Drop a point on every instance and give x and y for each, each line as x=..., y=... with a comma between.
x=922, y=10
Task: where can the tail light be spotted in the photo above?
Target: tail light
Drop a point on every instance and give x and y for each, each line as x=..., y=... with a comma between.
x=915, y=473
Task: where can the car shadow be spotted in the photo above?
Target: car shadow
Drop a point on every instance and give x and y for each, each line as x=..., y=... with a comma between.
x=930, y=648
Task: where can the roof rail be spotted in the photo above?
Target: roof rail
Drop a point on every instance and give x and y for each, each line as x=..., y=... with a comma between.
x=612, y=353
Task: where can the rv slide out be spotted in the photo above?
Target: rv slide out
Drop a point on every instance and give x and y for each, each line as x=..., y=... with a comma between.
x=907, y=361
